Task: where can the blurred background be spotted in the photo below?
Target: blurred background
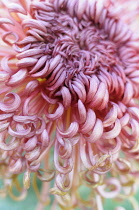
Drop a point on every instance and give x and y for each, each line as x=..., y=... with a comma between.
x=31, y=201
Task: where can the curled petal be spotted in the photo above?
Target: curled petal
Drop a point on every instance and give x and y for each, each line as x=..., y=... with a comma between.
x=122, y=33
x=98, y=98
x=55, y=74
x=82, y=111
x=71, y=131
x=20, y=49
x=113, y=148
x=63, y=169
x=67, y=166
x=31, y=86
x=29, y=53
x=66, y=150
x=31, y=143
x=112, y=194
x=33, y=24
x=9, y=41
x=93, y=86
x=90, y=121
x=83, y=153
x=27, y=40
x=5, y=116
x=4, y=65
x=63, y=182
x=110, y=117
x=4, y=76
x=18, y=77
x=33, y=155
x=81, y=6
x=59, y=111
x=123, y=166
x=39, y=5
x=60, y=139
x=99, y=10
x=58, y=81
x=34, y=168
x=96, y=133
x=43, y=154
x=27, y=62
x=24, y=119
x=13, y=7
x=13, y=106
x=135, y=80
x=16, y=167
x=47, y=98
x=91, y=9
x=134, y=133
x=124, y=120
x=39, y=64
x=20, y=133
x=45, y=138
x=66, y=95
x=4, y=126
x=45, y=175
x=90, y=177
x=26, y=105
x=134, y=111
x=79, y=90
x=128, y=94
x=10, y=146
x=35, y=33
x=55, y=61
x=114, y=132
x=42, y=127
x=71, y=7
x=104, y=101
x=6, y=21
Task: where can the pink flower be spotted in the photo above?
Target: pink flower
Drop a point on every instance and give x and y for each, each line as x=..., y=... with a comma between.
x=69, y=97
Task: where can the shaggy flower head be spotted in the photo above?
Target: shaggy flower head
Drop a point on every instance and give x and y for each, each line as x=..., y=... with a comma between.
x=69, y=88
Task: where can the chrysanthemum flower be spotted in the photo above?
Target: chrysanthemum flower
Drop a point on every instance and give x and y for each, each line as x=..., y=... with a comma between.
x=69, y=91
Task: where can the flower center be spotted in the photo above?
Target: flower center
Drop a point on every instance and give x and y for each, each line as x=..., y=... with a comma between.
x=68, y=51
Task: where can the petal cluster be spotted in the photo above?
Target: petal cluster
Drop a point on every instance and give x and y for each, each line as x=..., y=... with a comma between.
x=69, y=88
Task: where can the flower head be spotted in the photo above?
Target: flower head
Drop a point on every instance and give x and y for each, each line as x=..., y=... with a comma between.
x=69, y=96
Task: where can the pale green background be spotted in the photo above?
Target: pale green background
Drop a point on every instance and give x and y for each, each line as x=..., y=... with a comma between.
x=31, y=201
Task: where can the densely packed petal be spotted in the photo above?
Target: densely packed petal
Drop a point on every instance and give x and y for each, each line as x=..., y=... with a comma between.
x=69, y=88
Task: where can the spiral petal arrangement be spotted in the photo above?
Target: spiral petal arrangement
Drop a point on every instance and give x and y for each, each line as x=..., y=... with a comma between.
x=69, y=89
